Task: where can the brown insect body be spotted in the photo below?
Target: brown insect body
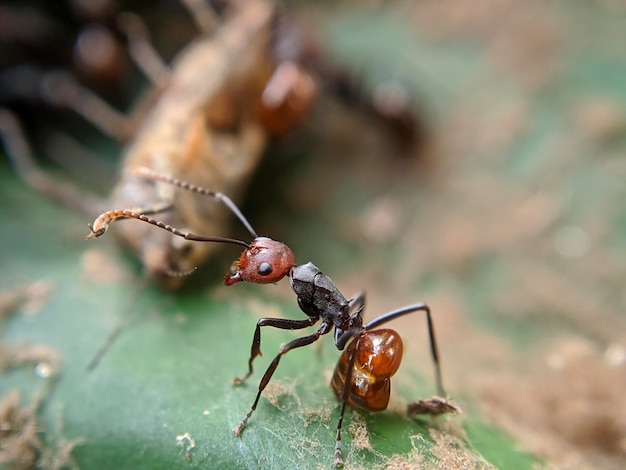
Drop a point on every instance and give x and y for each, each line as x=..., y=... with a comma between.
x=367, y=365
x=202, y=128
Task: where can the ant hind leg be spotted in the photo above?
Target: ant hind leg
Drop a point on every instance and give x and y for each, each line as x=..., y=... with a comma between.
x=344, y=401
x=431, y=333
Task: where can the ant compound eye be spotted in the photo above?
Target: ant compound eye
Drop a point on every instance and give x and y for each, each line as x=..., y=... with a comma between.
x=265, y=269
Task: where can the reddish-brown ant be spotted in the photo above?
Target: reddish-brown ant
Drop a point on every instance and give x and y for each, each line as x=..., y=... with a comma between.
x=362, y=376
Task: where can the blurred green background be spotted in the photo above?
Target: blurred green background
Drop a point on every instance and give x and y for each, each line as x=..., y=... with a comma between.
x=502, y=207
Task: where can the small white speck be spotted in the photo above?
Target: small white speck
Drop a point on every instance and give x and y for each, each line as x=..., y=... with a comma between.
x=44, y=370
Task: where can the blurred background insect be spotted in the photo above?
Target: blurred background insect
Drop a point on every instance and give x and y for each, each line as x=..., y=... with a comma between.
x=251, y=75
x=208, y=117
x=209, y=114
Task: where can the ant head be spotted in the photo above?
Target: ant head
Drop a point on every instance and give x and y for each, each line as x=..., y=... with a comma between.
x=264, y=262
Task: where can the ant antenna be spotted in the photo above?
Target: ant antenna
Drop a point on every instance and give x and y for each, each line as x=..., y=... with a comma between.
x=102, y=222
x=152, y=175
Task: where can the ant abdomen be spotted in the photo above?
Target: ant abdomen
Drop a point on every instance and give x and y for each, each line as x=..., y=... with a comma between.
x=367, y=365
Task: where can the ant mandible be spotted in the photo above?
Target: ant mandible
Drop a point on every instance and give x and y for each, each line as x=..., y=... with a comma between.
x=362, y=377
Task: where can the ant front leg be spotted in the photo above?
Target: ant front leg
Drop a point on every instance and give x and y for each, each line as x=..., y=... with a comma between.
x=256, y=340
x=296, y=343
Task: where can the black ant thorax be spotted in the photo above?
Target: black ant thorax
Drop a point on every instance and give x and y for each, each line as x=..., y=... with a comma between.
x=318, y=296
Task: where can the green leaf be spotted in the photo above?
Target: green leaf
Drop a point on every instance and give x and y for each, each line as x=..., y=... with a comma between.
x=517, y=175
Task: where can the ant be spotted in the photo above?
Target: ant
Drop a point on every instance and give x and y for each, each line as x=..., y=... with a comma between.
x=362, y=377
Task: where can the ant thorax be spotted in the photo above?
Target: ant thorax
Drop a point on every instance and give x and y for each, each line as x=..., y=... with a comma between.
x=318, y=296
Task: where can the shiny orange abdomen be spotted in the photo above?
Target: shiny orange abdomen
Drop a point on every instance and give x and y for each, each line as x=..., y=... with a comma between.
x=375, y=357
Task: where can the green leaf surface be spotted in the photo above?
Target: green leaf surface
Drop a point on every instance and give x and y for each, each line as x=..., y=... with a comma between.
x=512, y=227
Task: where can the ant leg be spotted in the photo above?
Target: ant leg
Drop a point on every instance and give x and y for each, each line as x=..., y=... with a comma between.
x=115, y=333
x=18, y=150
x=338, y=458
x=256, y=340
x=141, y=50
x=431, y=333
x=344, y=394
x=296, y=343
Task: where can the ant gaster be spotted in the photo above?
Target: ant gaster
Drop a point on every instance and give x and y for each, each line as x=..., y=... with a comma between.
x=362, y=377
